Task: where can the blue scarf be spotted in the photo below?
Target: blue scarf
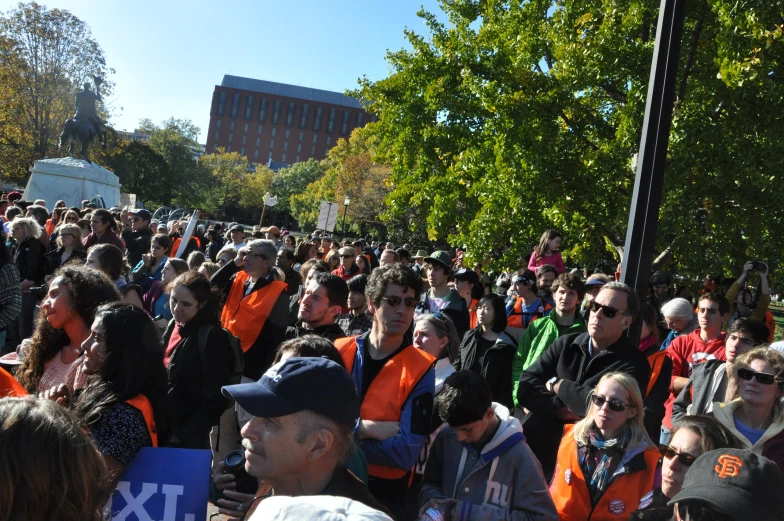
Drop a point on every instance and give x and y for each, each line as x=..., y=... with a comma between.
x=609, y=454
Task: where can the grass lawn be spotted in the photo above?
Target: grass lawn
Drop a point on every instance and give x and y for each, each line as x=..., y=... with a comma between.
x=779, y=327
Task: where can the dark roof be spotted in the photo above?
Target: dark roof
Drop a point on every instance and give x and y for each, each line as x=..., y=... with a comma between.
x=291, y=91
x=276, y=165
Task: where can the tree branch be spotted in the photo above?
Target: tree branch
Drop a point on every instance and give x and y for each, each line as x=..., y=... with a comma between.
x=690, y=57
x=576, y=132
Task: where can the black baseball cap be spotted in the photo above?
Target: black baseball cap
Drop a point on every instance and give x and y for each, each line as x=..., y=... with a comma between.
x=743, y=484
x=297, y=384
x=467, y=275
x=145, y=215
x=237, y=228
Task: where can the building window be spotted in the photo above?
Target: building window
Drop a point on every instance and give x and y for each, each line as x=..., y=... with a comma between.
x=256, y=154
x=248, y=108
x=231, y=125
x=272, y=143
x=312, y=151
x=221, y=103
x=242, y=151
x=301, y=135
x=290, y=113
x=329, y=140
x=235, y=105
x=326, y=151
x=260, y=129
x=270, y=156
x=331, y=123
x=303, y=118
x=246, y=127
x=273, y=132
x=283, y=158
x=228, y=148
x=258, y=141
x=285, y=145
x=217, y=124
x=315, y=136
x=288, y=133
x=244, y=138
x=214, y=147
x=262, y=111
x=276, y=112
x=317, y=120
x=296, y=160
x=299, y=147
x=217, y=135
x=360, y=118
x=231, y=136
x=344, y=123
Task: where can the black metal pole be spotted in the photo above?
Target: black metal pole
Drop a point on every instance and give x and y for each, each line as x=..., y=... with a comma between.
x=345, y=211
x=652, y=156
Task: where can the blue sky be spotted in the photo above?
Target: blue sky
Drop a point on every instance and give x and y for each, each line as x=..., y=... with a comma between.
x=169, y=55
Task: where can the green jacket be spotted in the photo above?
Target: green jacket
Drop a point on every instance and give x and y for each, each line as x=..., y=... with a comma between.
x=537, y=337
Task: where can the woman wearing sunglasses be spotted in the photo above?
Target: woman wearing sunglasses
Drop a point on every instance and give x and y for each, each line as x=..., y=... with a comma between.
x=756, y=417
x=692, y=436
x=606, y=461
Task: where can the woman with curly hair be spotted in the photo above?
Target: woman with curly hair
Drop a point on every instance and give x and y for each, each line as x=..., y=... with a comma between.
x=38, y=487
x=125, y=404
x=54, y=354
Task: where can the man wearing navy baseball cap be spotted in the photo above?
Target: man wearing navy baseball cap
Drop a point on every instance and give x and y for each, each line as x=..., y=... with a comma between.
x=304, y=413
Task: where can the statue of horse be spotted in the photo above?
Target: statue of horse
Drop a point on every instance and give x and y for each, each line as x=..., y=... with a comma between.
x=78, y=131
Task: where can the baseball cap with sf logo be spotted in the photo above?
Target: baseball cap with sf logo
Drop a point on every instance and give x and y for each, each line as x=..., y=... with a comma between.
x=738, y=482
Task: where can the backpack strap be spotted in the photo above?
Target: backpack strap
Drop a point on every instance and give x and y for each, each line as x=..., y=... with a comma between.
x=204, y=332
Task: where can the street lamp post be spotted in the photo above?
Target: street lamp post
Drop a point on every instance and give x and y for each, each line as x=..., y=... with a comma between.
x=346, y=202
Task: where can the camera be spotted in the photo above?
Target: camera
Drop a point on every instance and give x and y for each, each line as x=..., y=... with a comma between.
x=235, y=464
x=39, y=292
x=758, y=265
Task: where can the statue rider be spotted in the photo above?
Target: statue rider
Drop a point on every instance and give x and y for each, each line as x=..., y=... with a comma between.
x=86, y=108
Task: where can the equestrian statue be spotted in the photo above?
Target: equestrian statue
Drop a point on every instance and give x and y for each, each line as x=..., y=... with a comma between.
x=85, y=124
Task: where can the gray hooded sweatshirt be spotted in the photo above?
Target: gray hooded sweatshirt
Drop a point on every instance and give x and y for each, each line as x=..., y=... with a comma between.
x=503, y=482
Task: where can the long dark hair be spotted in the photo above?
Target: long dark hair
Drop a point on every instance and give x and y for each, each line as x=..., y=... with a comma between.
x=133, y=365
x=548, y=235
x=89, y=289
x=203, y=293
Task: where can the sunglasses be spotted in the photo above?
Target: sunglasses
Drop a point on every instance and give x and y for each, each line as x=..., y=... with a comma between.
x=346, y=256
x=222, y=261
x=763, y=378
x=394, y=301
x=683, y=457
x=609, y=311
x=700, y=512
x=615, y=405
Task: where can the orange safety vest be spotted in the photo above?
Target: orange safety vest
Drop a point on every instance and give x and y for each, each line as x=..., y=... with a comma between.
x=571, y=495
x=389, y=390
x=516, y=318
x=143, y=404
x=472, y=313
x=656, y=361
x=245, y=316
x=9, y=387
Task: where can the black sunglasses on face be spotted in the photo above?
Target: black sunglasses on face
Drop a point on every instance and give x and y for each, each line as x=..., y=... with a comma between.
x=700, y=512
x=615, y=405
x=763, y=378
x=609, y=311
x=394, y=301
x=683, y=457
x=346, y=256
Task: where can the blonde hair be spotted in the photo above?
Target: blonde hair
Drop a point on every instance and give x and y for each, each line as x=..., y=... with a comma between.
x=634, y=425
x=328, y=256
x=29, y=226
x=74, y=230
x=775, y=360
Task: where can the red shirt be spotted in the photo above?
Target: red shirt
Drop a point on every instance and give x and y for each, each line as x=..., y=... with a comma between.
x=173, y=341
x=686, y=352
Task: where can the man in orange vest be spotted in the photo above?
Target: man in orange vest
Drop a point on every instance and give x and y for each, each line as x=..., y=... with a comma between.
x=256, y=306
x=395, y=382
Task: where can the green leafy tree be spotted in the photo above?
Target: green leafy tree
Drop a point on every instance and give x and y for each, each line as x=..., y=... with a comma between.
x=522, y=115
x=142, y=171
x=227, y=171
x=50, y=54
x=254, y=187
x=294, y=179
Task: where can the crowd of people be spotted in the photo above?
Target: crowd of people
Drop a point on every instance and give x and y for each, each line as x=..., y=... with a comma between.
x=377, y=382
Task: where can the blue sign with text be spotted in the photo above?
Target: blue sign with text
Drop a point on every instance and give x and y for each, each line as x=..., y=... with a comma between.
x=163, y=484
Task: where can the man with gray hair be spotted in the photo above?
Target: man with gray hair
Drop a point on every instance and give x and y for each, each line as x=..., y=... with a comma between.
x=681, y=319
x=255, y=307
x=555, y=389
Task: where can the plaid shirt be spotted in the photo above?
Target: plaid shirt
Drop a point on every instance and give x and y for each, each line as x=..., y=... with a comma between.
x=355, y=325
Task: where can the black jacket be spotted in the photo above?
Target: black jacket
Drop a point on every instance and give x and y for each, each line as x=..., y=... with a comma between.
x=329, y=331
x=137, y=244
x=259, y=357
x=496, y=367
x=568, y=359
x=196, y=378
x=53, y=259
x=30, y=259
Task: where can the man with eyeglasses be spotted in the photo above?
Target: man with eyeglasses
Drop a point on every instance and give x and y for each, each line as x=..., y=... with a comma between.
x=256, y=306
x=710, y=381
x=689, y=351
x=555, y=389
x=136, y=233
x=348, y=267
x=395, y=382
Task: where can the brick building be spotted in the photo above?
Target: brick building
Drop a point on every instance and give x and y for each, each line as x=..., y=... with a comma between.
x=267, y=121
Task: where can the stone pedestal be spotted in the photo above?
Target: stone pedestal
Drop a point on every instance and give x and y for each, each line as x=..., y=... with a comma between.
x=72, y=180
